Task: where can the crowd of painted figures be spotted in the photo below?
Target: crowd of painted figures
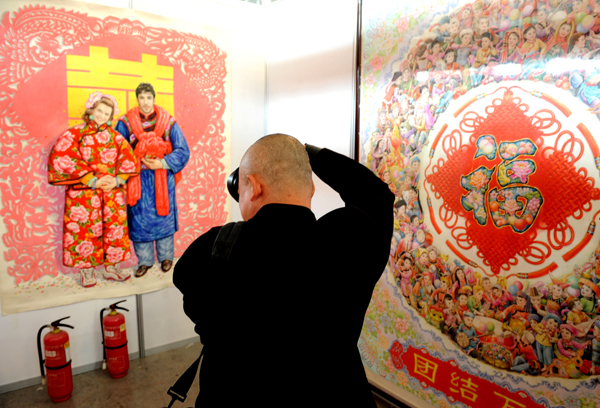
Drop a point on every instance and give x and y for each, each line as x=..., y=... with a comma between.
x=480, y=43
x=535, y=329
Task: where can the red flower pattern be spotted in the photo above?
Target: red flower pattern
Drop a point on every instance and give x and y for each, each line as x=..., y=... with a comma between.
x=89, y=239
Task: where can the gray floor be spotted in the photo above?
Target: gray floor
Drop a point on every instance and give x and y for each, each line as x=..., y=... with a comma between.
x=145, y=385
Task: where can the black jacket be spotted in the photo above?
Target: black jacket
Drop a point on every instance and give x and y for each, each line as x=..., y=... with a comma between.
x=281, y=320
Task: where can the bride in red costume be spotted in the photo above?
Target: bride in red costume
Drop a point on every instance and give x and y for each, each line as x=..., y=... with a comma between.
x=94, y=162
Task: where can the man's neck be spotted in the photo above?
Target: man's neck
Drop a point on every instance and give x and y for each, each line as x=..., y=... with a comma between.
x=289, y=201
x=145, y=115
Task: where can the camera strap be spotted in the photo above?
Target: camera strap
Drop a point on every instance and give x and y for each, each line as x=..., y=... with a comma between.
x=221, y=251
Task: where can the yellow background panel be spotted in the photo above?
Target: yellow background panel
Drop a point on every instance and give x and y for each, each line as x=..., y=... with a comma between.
x=115, y=77
x=164, y=101
x=73, y=122
x=103, y=72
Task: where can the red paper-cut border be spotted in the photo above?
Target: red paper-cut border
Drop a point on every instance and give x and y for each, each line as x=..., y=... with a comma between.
x=34, y=37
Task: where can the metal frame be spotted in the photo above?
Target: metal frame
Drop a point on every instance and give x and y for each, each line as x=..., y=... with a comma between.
x=355, y=139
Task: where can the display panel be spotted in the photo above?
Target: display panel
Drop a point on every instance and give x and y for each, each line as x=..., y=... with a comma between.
x=482, y=118
x=59, y=59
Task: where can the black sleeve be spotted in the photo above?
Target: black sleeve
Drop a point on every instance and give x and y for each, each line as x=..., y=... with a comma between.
x=357, y=236
x=355, y=183
x=194, y=277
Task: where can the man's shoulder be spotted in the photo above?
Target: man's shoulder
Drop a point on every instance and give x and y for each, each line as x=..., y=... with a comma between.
x=131, y=111
x=123, y=122
x=206, y=239
x=163, y=111
x=200, y=249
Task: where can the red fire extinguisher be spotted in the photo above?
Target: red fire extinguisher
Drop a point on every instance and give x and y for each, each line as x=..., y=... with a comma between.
x=58, y=360
x=114, y=339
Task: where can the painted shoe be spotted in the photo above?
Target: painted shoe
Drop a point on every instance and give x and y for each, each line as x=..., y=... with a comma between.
x=166, y=265
x=88, y=277
x=114, y=272
x=141, y=271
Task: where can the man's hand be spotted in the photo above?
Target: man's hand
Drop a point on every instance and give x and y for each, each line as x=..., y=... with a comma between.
x=152, y=164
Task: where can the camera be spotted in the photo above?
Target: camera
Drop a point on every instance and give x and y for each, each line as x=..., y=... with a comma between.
x=233, y=184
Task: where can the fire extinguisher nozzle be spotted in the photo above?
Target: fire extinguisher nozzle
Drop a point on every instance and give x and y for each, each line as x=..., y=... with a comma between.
x=43, y=380
x=104, y=364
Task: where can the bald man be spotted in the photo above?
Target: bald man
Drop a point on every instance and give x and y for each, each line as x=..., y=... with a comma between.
x=280, y=319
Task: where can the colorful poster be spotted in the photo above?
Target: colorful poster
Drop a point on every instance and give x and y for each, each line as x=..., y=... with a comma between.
x=482, y=118
x=92, y=175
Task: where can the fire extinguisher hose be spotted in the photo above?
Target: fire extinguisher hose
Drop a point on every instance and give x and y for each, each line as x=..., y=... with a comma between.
x=42, y=360
x=103, y=344
x=59, y=367
x=114, y=348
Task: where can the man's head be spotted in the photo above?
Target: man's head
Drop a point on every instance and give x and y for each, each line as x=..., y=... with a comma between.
x=145, y=96
x=275, y=169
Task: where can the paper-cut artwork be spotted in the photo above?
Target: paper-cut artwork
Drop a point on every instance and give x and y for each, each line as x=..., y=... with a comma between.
x=523, y=187
x=67, y=54
x=481, y=116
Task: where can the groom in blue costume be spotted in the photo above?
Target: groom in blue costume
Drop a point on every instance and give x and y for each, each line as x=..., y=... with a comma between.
x=159, y=144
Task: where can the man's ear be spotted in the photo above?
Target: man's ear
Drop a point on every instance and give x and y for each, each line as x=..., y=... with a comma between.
x=313, y=192
x=257, y=188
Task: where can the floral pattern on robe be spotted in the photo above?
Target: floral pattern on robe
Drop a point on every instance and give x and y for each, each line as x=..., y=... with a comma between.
x=95, y=230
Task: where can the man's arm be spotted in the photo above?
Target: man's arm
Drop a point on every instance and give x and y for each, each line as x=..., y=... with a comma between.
x=366, y=223
x=355, y=183
x=180, y=155
x=123, y=130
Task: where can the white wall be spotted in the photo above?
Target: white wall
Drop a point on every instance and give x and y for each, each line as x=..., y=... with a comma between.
x=18, y=341
x=310, y=77
x=164, y=320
